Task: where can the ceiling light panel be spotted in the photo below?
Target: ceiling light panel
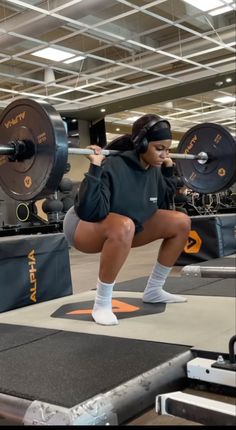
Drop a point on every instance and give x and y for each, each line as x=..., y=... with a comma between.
x=53, y=54
x=204, y=5
x=225, y=99
x=220, y=10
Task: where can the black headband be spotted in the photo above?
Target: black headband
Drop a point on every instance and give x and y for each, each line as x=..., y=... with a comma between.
x=161, y=134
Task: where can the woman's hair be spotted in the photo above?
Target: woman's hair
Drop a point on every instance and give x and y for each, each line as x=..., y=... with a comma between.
x=122, y=143
x=144, y=121
x=126, y=143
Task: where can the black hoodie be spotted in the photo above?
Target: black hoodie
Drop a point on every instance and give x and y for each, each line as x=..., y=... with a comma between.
x=123, y=186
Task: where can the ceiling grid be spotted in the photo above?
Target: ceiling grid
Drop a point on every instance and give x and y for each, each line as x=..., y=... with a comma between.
x=128, y=57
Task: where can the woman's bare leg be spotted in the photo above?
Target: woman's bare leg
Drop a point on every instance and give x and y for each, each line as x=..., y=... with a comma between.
x=113, y=238
x=173, y=227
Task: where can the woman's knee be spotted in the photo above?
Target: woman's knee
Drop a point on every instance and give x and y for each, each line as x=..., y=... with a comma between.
x=183, y=222
x=120, y=228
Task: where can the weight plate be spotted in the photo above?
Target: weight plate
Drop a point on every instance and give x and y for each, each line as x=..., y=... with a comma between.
x=219, y=172
x=41, y=126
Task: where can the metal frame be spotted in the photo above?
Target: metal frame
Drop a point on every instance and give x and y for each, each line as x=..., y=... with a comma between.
x=111, y=408
x=209, y=271
x=201, y=369
x=196, y=408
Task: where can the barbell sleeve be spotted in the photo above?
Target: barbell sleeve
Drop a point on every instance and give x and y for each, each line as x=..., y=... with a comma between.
x=8, y=149
x=202, y=156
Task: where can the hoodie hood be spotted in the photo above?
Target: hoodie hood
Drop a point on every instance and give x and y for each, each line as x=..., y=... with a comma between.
x=132, y=158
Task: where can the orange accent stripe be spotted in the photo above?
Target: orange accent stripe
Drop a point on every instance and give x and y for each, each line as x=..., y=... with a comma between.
x=117, y=306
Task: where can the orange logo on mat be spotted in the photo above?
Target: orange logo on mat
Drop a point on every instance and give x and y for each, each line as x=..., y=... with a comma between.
x=193, y=244
x=117, y=306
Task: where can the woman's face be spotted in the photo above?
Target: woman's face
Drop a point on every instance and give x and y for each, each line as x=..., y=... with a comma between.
x=156, y=153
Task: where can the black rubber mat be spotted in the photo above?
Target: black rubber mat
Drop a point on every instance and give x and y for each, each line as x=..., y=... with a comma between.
x=67, y=368
x=15, y=335
x=185, y=285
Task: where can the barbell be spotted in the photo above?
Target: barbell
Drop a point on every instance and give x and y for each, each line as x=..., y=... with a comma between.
x=33, y=157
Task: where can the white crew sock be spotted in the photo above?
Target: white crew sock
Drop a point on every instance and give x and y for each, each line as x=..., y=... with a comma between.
x=102, y=309
x=154, y=293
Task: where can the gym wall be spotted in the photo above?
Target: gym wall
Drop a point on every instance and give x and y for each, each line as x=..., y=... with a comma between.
x=88, y=134
x=79, y=166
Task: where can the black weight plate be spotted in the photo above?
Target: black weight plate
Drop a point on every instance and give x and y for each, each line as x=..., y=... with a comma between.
x=41, y=125
x=219, y=172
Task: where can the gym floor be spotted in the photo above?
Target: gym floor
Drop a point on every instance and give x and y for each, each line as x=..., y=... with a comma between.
x=205, y=322
x=84, y=269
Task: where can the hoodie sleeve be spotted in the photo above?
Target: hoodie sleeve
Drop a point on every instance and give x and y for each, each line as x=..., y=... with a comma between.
x=168, y=184
x=92, y=201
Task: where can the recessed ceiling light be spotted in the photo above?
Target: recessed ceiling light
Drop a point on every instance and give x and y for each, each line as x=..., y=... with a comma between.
x=205, y=5
x=220, y=10
x=53, y=54
x=225, y=99
x=219, y=83
x=228, y=80
x=219, y=6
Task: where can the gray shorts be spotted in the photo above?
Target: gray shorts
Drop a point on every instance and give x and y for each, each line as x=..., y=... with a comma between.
x=70, y=223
